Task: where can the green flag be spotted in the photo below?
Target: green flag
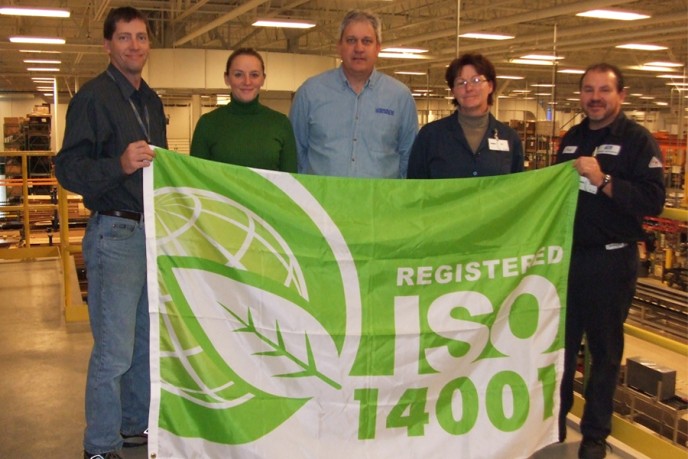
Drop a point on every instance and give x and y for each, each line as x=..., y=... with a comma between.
x=298, y=316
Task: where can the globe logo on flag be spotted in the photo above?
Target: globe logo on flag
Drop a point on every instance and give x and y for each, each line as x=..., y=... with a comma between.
x=228, y=273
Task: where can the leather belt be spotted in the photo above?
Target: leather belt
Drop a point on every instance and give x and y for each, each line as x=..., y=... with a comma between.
x=136, y=216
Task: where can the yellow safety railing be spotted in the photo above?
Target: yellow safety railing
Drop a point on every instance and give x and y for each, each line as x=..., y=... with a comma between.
x=26, y=182
x=638, y=437
x=74, y=307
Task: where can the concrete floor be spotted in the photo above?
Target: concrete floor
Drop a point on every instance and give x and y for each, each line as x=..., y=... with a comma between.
x=43, y=365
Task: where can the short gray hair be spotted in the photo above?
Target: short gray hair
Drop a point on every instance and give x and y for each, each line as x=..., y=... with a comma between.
x=358, y=16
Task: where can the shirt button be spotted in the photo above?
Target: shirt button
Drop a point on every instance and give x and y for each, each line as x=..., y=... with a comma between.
x=475, y=173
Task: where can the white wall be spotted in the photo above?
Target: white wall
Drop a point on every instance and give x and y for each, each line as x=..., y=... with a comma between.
x=204, y=69
x=18, y=105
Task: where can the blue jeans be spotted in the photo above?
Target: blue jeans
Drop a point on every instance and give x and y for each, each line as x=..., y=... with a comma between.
x=118, y=382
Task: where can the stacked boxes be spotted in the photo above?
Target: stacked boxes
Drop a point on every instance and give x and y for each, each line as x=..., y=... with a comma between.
x=12, y=132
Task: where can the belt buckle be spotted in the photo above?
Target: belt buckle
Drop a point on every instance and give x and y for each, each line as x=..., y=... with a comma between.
x=615, y=245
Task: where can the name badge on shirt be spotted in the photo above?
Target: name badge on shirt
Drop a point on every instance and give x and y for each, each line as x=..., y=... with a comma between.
x=585, y=185
x=498, y=144
x=571, y=149
x=608, y=149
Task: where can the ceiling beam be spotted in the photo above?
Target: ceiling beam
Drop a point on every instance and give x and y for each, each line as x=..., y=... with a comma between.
x=496, y=23
x=248, y=6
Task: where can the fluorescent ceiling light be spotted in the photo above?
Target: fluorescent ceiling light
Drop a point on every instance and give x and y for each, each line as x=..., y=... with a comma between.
x=41, y=61
x=662, y=103
x=636, y=94
x=674, y=76
x=616, y=15
x=677, y=84
x=542, y=85
x=42, y=79
x=524, y=91
x=286, y=23
x=38, y=40
x=573, y=99
x=39, y=51
x=404, y=50
x=423, y=90
x=509, y=77
x=43, y=12
x=487, y=36
x=651, y=68
x=48, y=94
x=647, y=97
x=542, y=57
x=531, y=61
x=407, y=72
x=44, y=88
x=664, y=64
x=572, y=71
x=402, y=55
x=43, y=69
x=542, y=94
x=642, y=47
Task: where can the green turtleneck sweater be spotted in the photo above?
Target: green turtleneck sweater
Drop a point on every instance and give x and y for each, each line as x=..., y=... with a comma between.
x=246, y=134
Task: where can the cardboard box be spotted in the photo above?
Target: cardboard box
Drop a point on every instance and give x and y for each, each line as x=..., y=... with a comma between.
x=545, y=127
x=646, y=376
x=41, y=109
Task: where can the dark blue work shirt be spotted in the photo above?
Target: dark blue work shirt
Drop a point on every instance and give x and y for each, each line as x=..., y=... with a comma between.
x=101, y=123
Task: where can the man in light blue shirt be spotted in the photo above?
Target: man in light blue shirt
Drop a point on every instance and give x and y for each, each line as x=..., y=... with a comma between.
x=354, y=121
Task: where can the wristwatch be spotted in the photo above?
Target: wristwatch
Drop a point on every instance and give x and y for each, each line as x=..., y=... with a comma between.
x=605, y=182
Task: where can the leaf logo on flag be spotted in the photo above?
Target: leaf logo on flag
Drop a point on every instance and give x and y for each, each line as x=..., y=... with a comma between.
x=231, y=283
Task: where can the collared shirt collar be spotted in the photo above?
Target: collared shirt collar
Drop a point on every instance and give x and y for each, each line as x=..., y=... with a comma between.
x=374, y=77
x=125, y=85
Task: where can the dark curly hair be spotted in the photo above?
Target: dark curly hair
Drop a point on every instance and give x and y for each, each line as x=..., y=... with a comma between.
x=482, y=65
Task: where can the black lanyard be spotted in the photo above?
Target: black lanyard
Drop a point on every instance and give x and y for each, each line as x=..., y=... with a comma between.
x=145, y=127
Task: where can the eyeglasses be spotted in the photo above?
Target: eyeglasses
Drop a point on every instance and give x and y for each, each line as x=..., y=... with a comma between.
x=473, y=81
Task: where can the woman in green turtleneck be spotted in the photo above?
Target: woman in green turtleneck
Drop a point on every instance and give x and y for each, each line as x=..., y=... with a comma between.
x=245, y=132
x=470, y=142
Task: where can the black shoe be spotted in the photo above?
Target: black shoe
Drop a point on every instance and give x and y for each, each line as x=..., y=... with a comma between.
x=132, y=441
x=593, y=448
x=108, y=455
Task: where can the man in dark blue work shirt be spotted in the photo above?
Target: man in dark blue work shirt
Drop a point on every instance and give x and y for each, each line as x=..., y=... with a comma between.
x=111, y=123
x=622, y=180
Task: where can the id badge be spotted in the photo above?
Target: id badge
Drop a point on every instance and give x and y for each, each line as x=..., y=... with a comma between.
x=585, y=185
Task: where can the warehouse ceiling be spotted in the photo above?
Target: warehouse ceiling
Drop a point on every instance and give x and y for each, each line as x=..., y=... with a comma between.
x=538, y=26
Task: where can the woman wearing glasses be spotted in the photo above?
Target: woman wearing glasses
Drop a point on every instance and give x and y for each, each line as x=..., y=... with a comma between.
x=470, y=142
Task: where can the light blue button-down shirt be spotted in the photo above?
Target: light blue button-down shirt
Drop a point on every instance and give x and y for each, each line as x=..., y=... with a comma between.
x=341, y=133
